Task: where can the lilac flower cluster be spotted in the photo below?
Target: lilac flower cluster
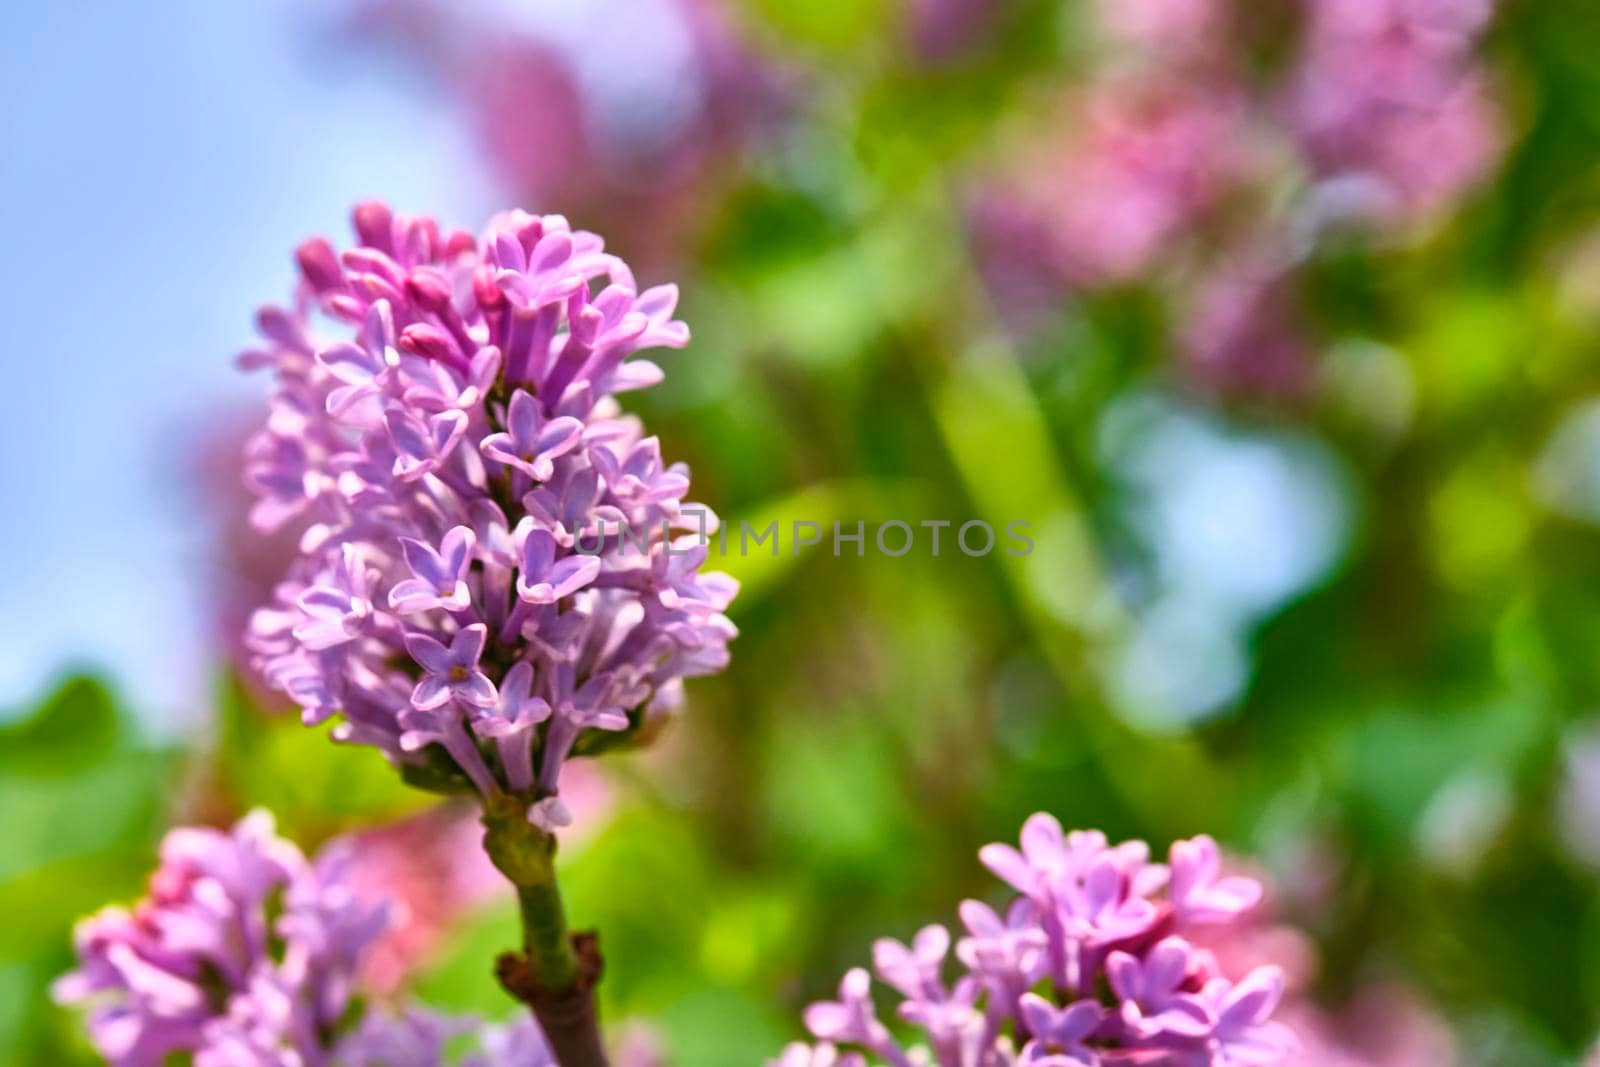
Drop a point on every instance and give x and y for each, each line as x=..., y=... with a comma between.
x=695, y=97
x=1088, y=967
x=444, y=432
x=201, y=965
x=1180, y=162
x=1390, y=103
x=244, y=954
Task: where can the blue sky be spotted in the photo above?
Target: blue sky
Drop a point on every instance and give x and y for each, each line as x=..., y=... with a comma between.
x=160, y=162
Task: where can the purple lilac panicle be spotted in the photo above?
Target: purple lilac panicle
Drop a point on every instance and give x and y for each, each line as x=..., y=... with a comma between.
x=244, y=954
x=495, y=562
x=1089, y=967
x=207, y=964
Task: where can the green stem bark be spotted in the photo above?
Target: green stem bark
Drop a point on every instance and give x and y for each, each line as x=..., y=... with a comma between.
x=557, y=970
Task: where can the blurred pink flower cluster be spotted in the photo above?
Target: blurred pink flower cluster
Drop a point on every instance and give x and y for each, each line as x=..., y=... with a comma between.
x=1383, y=1023
x=632, y=132
x=1187, y=159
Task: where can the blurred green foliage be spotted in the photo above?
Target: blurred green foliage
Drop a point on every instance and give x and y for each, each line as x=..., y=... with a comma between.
x=84, y=801
x=884, y=717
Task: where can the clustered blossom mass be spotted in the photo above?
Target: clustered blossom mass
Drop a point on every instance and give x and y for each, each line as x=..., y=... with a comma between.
x=496, y=567
x=1185, y=159
x=244, y=954
x=1088, y=967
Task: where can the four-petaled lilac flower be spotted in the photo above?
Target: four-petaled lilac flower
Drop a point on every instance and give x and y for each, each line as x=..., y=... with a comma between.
x=1152, y=989
x=1046, y=852
x=422, y=444
x=360, y=367
x=440, y=575
x=1198, y=894
x=532, y=443
x=1009, y=954
x=913, y=970
x=852, y=1019
x=640, y=475
x=545, y=579
x=452, y=673
x=1244, y=1034
x=1059, y=1034
x=340, y=609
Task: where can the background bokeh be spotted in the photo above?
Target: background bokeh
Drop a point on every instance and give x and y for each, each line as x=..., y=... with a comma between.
x=1279, y=323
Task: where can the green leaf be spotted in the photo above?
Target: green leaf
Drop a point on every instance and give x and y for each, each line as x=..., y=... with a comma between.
x=56, y=895
x=76, y=727
x=313, y=785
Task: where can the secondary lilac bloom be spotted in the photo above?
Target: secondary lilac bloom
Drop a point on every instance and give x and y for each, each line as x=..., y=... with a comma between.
x=694, y=95
x=452, y=673
x=418, y=1037
x=444, y=411
x=1089, y=969
x=440, y=575
x=207, y=963
x=1380, y=121
x=532, y=443
x=245, y=954
x=1390, y=104
x=1187, y=29
x=1241, y=330
x=1133, y=170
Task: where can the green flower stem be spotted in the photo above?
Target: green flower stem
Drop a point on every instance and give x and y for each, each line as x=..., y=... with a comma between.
x=557, y=971
x=544, y=936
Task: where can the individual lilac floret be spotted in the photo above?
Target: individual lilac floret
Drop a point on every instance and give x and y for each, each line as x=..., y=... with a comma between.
x=206, y=963
x=1199, y=895
x=1088, y=968
x=440, y=575
x=533, y=444
x=451, y=673
x=474, y=509
x=1059, y=1034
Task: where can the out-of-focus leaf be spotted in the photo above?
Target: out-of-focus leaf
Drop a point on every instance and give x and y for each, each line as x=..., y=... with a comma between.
x=462, y=978
x=314, y=786
x=1398, y=761
x=55, y=895
x=75, y=727
x=833, y=25
x=762, y=562
x=721, y=1027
